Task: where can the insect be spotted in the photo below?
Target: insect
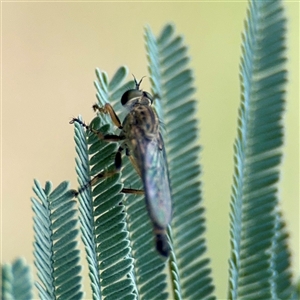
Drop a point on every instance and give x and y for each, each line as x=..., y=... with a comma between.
x=142, y=140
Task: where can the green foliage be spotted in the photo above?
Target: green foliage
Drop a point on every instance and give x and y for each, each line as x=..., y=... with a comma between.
x=259, y=264
x=55, y=248
x=116, y=230
x=102, y=216
x=16, y=281
x=132, y=238
x=280, y=262
x=172, y=82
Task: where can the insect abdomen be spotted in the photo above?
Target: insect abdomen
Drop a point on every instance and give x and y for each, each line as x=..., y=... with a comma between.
x=162, y=244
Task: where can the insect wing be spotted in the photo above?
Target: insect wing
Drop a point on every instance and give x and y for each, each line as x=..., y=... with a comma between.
x=156, y=183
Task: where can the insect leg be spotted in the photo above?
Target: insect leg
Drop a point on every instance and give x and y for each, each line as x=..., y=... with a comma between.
x=96, y=178
x=118, y=158
x=132, y=191
x=133, y=162
x=101, y=136
x=108, y=109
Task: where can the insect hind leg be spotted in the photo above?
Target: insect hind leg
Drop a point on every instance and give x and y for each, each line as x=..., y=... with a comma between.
x=94, y=180
x=102, y=175
x=118, y=161
x=132, y=191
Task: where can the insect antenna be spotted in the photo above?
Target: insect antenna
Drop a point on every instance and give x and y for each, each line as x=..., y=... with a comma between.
x=137, y=85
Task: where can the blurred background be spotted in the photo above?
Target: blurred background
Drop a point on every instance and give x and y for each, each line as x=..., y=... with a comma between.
x=49, y=54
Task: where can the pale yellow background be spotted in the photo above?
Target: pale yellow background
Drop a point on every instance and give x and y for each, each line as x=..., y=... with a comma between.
x=49, y=53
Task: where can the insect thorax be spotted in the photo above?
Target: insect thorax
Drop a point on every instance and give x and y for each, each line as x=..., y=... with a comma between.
x=141, y=122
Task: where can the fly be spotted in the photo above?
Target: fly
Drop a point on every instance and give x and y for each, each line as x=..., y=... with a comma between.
x=141, y=138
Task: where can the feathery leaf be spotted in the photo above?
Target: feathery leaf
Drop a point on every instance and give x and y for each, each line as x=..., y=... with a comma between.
x=55, y=248
x=256, y=236
x=137, y=221
x=16, y=282
x=102, y=217
x=172, y=83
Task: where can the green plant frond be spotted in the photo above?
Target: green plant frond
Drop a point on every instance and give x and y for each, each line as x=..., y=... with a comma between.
x=150, y=280
x=16, y=281
x=281, y=261
x=111, y=92
x=146, y=259
x=172, y=82
x=55, y=249
x=255, y=231
x=103, y=219
x=149, y=267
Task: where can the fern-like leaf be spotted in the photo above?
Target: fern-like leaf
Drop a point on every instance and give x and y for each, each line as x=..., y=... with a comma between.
x=55, y=249
x=16, y=281
x=259, y=260
x=172, y=83
x=103, y=225
x=148, y=266
x=280, y=263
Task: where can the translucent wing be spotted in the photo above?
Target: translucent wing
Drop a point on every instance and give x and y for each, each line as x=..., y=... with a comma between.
x=146, y=149
x=155, y=178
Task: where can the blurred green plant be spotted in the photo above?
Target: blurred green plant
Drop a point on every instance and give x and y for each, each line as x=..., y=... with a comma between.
x=116, y=230
x=16, y=281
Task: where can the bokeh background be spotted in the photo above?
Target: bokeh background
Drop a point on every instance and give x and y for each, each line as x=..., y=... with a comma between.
x=49, y=54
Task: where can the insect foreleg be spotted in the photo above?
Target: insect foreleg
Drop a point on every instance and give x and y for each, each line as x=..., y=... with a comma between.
x=108, y=109
x=118, y=157
x=101, y=136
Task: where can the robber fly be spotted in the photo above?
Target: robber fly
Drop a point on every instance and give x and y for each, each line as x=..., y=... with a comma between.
x=143, y=143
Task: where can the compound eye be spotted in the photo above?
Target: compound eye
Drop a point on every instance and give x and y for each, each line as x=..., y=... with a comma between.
x=129, y=95
x=149, y=96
